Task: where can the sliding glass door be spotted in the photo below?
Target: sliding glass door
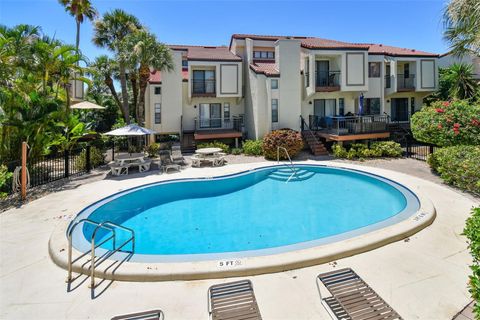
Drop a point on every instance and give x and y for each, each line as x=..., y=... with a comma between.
x=324, y=107
x=210, y=115
x=399, y=109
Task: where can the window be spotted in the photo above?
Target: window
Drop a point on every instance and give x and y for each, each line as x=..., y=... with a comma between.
x=158, y=90
x=184, y=64
x=274, y=83
x=372, y=106
x=307, y=72
x=341, y=106
x=263, y=55
x=203, y=81
x=374, y=69
x=274, y=110
x=406, y=70
x=210, y=115
x=226, y=110
x=158, y=113
x=324, y=107
x=412, y=105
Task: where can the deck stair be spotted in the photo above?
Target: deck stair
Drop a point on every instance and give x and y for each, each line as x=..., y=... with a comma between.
x=284, y=174
x=316, y=146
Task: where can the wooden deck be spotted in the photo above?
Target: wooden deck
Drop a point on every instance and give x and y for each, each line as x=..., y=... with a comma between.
x=216, y=134
x=351, y=137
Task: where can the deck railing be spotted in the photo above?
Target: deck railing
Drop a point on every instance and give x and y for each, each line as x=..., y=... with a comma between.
x=405, y=82
x=327, y=78
x=233, y=123
x=349, y=125
x=203, y=86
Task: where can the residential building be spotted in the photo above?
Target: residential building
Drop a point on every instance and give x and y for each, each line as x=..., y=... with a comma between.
x=260, y=83
x=448, y=59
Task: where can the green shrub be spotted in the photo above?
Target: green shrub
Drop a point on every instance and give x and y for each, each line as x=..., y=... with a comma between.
x=286, y=138
x=446, y=123
x=5, y=177
x=153, y=149
x=458, y=165
x=215, y=144
x=96, y=158
x=361, y=151
x=236, y=151
x=472, y=231
x=387, y=149
x=339, y=151
x=253, y=147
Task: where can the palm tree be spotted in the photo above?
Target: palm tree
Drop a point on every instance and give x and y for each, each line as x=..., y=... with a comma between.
x=462, y=84
x=110, y=32
x=147, y=53
x=462, y=26
x=80, y=9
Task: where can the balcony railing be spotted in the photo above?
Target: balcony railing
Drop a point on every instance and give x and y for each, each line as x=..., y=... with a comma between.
x=349, y=125
x=327, y=79
x=234, y=123
x=405, y=83
x=203, y=86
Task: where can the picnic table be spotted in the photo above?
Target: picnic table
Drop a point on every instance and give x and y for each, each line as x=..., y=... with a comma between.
x=130, y=157
x=212, y=155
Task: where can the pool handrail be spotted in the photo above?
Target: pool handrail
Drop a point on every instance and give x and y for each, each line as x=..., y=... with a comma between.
x=115, y=249
x=291, y=166
x=70, y=249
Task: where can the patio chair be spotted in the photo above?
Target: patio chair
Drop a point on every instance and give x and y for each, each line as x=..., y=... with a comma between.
x=196, y=161
x=351, y=298
x=177, y=156
x=118, y=169
x=167, y=162
x=219, y=161
x=145, y=165
x=146, y=315
x=233, y=300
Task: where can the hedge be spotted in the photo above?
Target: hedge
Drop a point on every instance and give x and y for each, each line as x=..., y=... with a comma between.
x=458, y=166
x=286, y=138
x=253, y=147
x=472, y=231
x=361, y=151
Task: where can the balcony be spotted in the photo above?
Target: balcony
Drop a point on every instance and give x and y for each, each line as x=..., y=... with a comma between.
x=218, y=128
x=327, y=81
x=405, y=82
x=203, y=87
x=350, y=128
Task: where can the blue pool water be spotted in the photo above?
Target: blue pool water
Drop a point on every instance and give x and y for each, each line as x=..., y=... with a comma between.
x=251, y=211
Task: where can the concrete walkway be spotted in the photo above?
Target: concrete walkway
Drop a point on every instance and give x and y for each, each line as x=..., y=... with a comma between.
x=424, y=277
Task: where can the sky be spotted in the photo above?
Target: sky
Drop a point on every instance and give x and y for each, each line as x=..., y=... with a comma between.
x=403, y=23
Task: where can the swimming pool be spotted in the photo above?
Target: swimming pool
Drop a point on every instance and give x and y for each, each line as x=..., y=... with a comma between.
x=251, y=213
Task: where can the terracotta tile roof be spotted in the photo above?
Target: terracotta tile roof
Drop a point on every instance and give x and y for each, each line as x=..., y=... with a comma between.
x=319, y=43
x=396, y=51
x=156, y=76
x=207, y=53
x=270, y=69
x=263, y=37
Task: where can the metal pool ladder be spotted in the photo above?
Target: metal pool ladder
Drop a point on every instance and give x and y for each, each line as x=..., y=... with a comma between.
x=106, y=225
x=290, y=165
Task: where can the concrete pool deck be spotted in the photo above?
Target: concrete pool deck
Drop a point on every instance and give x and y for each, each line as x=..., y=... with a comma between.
x=422, y=278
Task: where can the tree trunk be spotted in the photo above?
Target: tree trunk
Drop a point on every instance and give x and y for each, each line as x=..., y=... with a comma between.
x=77, y=41
x=133, y=82
x=144, y=72
x=109, y=83
x=123, y=84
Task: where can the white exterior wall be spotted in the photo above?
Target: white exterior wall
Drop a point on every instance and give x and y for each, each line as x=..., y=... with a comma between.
x=289, y=103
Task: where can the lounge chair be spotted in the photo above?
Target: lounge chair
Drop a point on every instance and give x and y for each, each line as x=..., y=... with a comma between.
x=233, y=300
x=352, y=298
x=146, y=315
x=177, y=156
x=118, y=169
x=167, y=162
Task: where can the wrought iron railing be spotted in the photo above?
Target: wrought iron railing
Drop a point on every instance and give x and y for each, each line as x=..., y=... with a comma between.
x=234, y=123
x=203, y=86
x=349, y=125
x=327, y=78
x=405, y=81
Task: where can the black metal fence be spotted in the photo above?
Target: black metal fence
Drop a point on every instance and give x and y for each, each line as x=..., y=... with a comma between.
x=414, y=149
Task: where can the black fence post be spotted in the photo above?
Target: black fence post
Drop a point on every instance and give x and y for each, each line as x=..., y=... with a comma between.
x=67, y=163
x=113, y=149
x=430, y=149
x=87, y=159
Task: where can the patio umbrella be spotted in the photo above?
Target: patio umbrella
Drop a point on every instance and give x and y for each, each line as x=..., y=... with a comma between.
x=130, y=130
x=360, y=105
x=85, y=105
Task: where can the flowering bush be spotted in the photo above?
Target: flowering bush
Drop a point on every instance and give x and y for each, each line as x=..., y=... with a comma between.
x=472, y=231
x=253, y=147
x=286, y=138
x=458, y=165
x=448, y=123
